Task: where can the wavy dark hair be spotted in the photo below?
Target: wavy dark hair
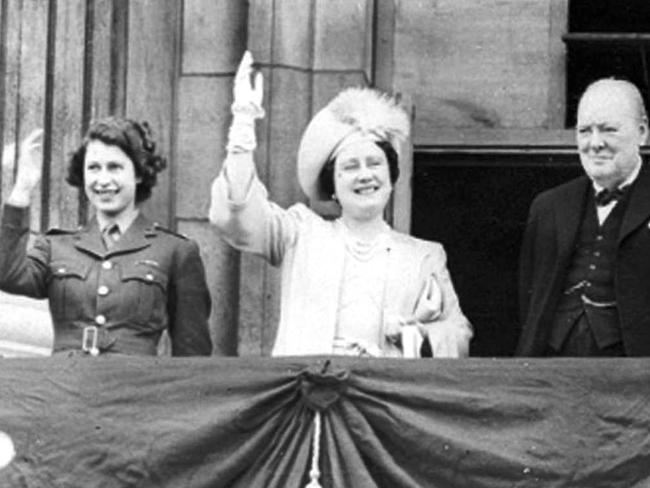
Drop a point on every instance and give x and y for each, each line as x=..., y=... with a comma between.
x=135, y=139
x=326, y=176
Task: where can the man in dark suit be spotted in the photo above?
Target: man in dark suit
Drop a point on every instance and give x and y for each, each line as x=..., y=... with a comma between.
x=585, y=263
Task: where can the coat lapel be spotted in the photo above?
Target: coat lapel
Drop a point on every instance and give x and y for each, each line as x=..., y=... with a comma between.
x=332, y=281
x=136, y=237
x=401, y=257
x=638, y=208
x=568, y=213
x=90, y=240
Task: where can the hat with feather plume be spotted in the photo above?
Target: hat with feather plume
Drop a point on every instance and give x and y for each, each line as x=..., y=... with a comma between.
x=352, y=113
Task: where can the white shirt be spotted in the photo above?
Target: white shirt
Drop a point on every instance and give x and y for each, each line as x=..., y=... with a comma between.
x=604, y=210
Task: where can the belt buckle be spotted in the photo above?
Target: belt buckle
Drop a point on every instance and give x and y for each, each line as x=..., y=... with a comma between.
x=89, y=340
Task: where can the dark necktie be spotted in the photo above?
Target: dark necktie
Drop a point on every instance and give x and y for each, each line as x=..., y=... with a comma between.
x=111, y=235
x=606, y=196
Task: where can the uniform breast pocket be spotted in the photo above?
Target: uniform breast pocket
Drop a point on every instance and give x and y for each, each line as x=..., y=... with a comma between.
x=68, y=289
x=145, y=287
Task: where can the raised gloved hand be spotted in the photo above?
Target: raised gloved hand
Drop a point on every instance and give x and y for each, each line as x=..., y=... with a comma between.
x=29, y=170
x=246, y=107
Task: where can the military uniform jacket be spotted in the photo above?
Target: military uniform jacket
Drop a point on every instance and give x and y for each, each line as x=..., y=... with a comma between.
x=150, y=280
x=550, y=238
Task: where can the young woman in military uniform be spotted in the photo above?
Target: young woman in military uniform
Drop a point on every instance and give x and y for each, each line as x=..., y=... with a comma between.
x=116, y=284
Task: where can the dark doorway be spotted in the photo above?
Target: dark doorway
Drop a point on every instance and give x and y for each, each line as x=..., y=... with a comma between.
x=606, y=38
x=476, y=205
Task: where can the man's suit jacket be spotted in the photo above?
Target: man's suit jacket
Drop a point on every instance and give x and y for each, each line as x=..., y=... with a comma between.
x=549, y=241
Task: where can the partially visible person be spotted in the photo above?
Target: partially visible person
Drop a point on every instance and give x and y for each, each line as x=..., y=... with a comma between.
x=585, y=260
x=115, y=285
x=351, y=286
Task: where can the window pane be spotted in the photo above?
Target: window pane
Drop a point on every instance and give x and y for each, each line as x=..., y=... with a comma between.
x=588, y=61
x=609, y=15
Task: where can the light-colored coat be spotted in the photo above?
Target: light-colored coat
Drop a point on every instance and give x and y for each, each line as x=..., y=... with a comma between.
x=311, y=251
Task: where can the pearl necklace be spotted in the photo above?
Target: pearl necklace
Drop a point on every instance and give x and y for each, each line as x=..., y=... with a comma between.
x=364, y=250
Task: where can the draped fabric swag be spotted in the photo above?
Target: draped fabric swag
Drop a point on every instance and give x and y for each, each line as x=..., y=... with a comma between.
x=214, y=422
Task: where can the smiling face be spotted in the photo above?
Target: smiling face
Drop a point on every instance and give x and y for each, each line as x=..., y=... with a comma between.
x=609, y=132
x=109, y=179
x=362, y=180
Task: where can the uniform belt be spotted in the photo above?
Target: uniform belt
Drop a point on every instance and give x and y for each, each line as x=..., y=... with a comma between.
x=121, y=340
x=95, y=340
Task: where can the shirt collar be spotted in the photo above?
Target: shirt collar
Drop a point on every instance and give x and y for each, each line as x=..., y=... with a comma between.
x=123, y=221
x=628, y=181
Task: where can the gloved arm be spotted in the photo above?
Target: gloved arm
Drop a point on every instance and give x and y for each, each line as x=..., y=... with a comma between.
x=448, y=330
x=410, y=331
x=29, y=171
x=437, y=315
x=239, y=167
x=20, y=272
x=239, y=205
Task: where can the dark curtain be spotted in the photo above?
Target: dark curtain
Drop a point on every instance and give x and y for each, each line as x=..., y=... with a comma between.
x=210, y=422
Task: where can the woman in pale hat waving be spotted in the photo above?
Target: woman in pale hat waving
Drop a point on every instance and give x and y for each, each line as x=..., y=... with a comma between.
x=352, y=285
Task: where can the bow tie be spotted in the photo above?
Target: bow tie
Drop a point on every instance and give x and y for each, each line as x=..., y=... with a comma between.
x=606, y=196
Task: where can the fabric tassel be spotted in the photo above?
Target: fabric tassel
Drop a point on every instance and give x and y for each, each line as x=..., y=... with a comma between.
x=314, y=472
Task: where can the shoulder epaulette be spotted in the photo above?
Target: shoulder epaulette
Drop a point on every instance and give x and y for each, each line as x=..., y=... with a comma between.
x=161, y=228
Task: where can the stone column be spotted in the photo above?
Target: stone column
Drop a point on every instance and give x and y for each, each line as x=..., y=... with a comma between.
x=308, y=51
x=214, y=38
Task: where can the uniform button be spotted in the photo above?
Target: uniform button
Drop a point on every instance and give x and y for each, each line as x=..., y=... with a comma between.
x=100, y=320
x=102, y=290
x=592, y=266
x=588, y=284
x=597, y=253
x=61, y=270
x=149, y=277
x=599, y=238
x=107, y=265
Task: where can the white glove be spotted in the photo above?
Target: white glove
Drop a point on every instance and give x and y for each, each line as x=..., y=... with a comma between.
x=429, y=304
x=411, y=330
x=29, y=170
x=246, y=107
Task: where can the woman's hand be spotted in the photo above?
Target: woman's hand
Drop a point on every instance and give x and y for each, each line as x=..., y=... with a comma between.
x=246, y=107
x=248, y=91
x=430, y=303
x=29, y=171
